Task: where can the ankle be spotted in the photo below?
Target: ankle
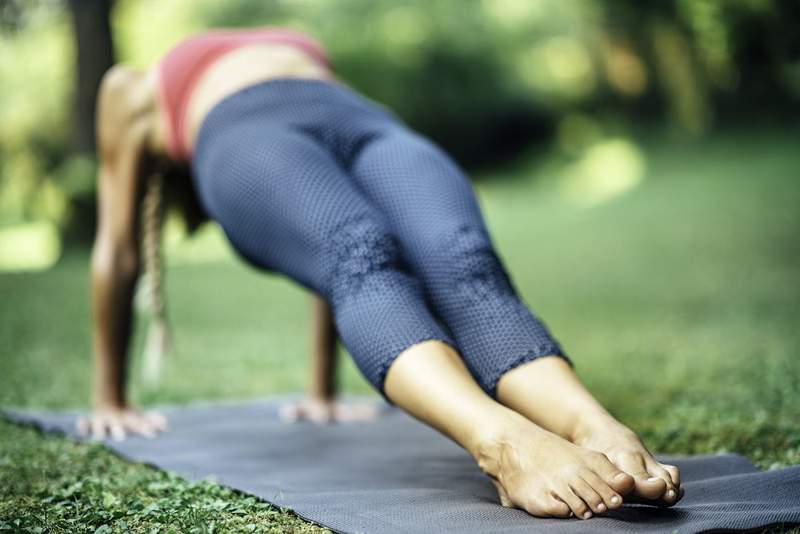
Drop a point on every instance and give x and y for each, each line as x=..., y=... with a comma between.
x=587, y=425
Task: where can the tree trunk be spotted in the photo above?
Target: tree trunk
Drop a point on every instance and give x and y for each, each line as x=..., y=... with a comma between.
x=95, y=55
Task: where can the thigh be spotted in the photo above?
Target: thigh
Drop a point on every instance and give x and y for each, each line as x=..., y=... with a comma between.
x=427, y=199
x=280, y=198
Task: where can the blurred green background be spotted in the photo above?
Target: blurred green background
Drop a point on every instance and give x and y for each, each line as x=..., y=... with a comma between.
x=637, y=164
x=487, y=79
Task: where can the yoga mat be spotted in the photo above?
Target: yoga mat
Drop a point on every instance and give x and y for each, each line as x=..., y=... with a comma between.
x=397, y=475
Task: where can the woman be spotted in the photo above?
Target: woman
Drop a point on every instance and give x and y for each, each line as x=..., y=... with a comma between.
x=311, y=180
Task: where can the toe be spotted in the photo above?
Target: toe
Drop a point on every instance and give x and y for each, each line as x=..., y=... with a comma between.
x=587, y=493
x=556, y=508
x=674, y=473
x=611, y=498
x=618, y=480
x=575, y=503
x=647, y=485
x=547, y=506
x=670, y=494
x=623, y=483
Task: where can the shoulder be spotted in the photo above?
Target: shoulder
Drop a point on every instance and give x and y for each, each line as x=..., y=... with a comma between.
x=125, y=107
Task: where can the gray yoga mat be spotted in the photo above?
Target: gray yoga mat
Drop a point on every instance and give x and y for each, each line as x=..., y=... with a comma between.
x=397, y=475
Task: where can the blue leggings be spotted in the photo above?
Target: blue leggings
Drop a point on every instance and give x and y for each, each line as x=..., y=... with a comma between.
x=309, y=179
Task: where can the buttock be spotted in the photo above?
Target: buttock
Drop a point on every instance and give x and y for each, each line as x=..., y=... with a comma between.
x=333, y=115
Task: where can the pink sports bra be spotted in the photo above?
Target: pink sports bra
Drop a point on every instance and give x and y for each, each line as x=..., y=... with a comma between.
x=180, y=69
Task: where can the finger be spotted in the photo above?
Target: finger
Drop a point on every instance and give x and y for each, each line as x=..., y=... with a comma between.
x=575, y=503
x=610, y=497
x=320, y=414
x=117, y=430
x=82, y=426
x=98, y=425
x=584, y=490
x=139, y=425
x=158, y=421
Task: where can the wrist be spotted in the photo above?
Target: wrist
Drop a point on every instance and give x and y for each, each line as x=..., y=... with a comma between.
x=109, y=399
x=321, y=394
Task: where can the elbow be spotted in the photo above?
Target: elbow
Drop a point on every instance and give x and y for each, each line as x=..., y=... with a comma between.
x=115, y=261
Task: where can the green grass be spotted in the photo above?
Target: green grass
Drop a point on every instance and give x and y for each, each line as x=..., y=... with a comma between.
x=678, y=301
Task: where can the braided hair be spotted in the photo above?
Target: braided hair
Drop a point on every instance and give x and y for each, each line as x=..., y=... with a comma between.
x=158, y=334
x=164, y=183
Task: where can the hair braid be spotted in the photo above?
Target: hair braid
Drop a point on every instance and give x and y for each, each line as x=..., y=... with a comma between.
x=158, y=335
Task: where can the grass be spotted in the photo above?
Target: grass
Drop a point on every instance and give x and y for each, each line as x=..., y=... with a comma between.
x=678, y=301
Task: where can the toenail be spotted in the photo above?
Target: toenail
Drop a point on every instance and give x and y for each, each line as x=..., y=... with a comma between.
x=587, y=515
x=601, y=507
x=614, y=500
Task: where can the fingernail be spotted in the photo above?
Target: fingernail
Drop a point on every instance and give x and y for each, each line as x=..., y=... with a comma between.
x=653, y=479
x=601, y=507
x=671, y=494
x=587, y=515
x=615, y=500
x=621, y=476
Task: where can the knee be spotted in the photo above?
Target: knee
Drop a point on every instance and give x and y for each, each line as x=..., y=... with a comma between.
x=359, y=254
x=471, y=264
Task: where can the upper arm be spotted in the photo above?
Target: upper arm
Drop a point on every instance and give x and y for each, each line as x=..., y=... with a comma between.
x=122, y=136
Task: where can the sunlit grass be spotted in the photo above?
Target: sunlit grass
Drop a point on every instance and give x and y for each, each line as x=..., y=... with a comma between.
x=29, y=247
x=605, y=170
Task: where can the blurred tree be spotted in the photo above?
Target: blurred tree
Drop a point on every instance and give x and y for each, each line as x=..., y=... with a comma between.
x=10, y=15
x=485, y=78
x=95, y=55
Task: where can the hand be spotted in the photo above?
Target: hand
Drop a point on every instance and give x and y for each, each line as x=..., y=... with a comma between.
x=320, y=411
x=118, y=422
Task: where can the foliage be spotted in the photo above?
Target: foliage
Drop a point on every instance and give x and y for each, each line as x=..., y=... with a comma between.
x=48, y=484
x=484, y=78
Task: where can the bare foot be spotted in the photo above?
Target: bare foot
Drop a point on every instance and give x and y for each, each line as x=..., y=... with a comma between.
x=549, y=393
x=548, y=476
x=655, y=483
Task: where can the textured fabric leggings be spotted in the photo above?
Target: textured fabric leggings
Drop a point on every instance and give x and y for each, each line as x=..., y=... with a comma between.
x=309, y=179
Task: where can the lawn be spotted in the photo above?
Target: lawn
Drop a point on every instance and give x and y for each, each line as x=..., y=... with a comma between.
x=679, y=302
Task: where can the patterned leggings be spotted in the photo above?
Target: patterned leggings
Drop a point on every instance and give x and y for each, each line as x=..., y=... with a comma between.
x=309, y=179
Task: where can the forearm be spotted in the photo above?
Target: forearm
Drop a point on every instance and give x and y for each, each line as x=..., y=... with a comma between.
x=113, y=279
